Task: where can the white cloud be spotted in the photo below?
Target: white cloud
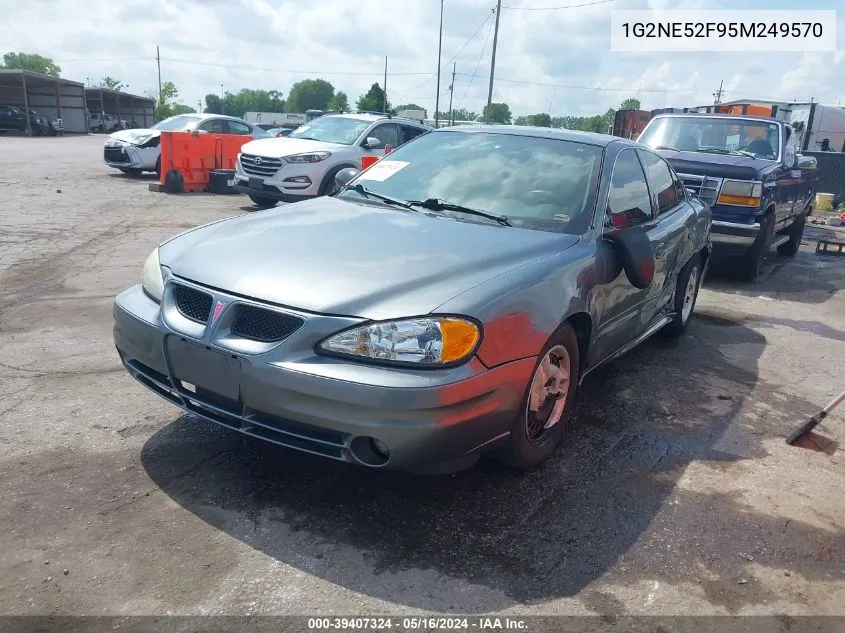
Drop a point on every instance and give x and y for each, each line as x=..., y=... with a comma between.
x=264, y=43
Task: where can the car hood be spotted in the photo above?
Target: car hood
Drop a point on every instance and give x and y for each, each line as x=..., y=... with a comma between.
x=716, y=165
x=132, y=136
x=274, y=147
x=336, y=257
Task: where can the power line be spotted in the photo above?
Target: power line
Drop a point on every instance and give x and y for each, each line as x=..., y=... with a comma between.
x=377, y=73
x=475, y=72
x=569, y=6
x=467, y=43
x=553, y=85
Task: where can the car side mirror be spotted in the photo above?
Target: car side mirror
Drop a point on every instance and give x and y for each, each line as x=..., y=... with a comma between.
x=634, y=247
x=807, y=162
x=345, y=175
x=372, y=143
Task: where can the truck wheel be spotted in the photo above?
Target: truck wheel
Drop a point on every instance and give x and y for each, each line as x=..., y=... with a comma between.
x=686, y=293
x=261, y=201
x=796, y=234
x=546, y=405
x=752, y=261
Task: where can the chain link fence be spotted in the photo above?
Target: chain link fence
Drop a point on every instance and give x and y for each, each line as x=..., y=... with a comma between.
x=831, y=174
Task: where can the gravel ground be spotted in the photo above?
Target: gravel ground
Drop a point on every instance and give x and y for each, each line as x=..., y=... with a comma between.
x=673, y=494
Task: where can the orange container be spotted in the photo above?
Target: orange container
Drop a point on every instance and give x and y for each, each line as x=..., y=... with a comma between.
x=193, y=155
x=368, y=160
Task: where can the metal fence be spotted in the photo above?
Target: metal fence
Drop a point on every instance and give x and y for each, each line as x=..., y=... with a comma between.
x=831, y=174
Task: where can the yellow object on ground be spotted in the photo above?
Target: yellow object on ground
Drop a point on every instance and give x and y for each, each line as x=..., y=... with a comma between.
x=824, y=202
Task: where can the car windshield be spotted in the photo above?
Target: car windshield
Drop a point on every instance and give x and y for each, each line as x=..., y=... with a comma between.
x=534, y=182
x=332, y=129
x=176, y=123
x=758, y=139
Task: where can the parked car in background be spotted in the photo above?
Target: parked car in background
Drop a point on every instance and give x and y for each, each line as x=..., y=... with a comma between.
x=446, y=302
x=100, y=122
x=280, y=131
x=136, y=151
x=13, y=119
x=305, y=164
x=750, y=171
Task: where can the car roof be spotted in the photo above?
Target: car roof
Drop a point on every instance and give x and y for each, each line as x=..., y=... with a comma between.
x=369, y=116
x=560, y=134
x=715, y=115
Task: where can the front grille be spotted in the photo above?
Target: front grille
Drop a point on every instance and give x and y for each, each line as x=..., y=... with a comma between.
x=704, y=188
x=265, y=326
x=192, y=304
x=260, y=165
x=115, y=155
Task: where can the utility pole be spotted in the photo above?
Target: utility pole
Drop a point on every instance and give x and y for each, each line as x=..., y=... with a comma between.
x=493, y=60
x=718, y=94
x=222, y=100
x=385, y=85
x=199, y=105
x=439, y=52
x=452, y=94
x=158, y=63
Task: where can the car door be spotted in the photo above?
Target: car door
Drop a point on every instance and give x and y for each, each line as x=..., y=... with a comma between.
x=621, y=308
x=387, y=134
x=213, y=126
x=671, y=233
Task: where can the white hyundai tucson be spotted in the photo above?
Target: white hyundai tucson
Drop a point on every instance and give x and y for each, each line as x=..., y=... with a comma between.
x=305, y=163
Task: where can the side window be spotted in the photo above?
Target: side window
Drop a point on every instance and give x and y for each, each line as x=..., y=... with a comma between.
x=628, y=201
x=661, y=181
x=410, y=132
x=236, y=127
x=387, y=134
x=214, y=126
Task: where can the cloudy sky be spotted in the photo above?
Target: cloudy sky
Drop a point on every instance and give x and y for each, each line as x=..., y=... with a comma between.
x=271, y=44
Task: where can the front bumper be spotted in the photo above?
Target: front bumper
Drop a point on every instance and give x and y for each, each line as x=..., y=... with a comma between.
x=280, y=185
x=128, y=156
x=732, y=237
x=431, y=421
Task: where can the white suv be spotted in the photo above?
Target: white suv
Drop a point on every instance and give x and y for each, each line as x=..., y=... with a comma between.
x=304, y=164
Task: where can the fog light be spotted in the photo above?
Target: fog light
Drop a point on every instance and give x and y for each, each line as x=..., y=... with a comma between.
x=380, y=448
x=299, y=180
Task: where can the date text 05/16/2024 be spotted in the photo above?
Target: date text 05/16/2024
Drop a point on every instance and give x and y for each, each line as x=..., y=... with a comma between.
x=480, y=623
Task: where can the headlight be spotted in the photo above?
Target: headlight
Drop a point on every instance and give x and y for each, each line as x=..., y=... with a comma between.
x=430, y=341
x=140, y=140
x=312, y=157
x=151, y=278
x=741, y=193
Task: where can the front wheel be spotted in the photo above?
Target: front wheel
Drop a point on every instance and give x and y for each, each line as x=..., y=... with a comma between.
x=686, y=293
x=546, y=405
x=752, y=261
x=261, y=201
x=796, y=234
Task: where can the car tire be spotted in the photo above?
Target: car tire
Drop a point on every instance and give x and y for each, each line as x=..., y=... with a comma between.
x=796, y=234
x=328, y=186
x=135, y=173
x=158, y=167
x=529, y=444
x=686, y=294
x=752, y=261
x=262, y=202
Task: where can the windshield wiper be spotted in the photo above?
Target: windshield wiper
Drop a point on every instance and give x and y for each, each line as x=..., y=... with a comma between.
x=435, y=204
x=669, y=147
x=367, y=193
x=730, y=152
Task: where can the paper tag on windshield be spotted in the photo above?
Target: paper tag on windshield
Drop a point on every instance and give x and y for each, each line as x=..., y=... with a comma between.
x=383, y=170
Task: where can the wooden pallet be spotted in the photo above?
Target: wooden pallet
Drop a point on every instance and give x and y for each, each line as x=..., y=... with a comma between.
x=822, y=247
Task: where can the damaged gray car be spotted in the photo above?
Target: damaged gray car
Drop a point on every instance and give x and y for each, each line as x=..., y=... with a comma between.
x=443, y=304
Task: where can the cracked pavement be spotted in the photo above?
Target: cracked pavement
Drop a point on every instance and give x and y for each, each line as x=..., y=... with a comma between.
x=674, y=492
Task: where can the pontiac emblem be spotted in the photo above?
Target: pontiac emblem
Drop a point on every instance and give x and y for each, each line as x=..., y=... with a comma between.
x=218, y=309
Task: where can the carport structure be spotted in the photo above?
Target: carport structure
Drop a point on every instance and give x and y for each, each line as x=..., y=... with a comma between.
x=139, y=112
x=51, y=97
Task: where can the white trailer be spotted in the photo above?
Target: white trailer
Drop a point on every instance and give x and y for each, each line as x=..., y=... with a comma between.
x=282, y=119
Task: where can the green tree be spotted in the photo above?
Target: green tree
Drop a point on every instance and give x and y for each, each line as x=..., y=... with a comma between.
x=497, y=113
x=213, y=104
x=179, y=108
x=31, y=61
x=309, y=94
x=373, y=100
x=540, y=120
x=339, y=102
x=462, y=114
x=110, y=83
x=410, y=106
x=630, y=104
x=166, y=98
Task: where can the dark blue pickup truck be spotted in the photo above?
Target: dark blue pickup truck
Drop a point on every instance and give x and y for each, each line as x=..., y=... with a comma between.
x=749, y=170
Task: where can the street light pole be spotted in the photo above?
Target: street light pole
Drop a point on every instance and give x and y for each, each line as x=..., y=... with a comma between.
x=439, y=53
x=493, y=61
